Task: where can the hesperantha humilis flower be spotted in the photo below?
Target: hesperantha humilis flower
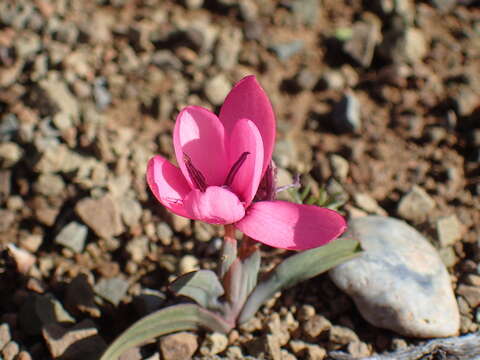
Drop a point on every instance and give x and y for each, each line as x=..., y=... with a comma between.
x=221, y=162
x=226, y=176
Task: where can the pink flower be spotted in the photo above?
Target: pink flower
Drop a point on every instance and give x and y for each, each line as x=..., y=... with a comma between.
x=221, y=162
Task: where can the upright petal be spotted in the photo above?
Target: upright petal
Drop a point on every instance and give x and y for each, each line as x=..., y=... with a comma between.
x=291, y=226
x=246, y=138
x=247, y=100
x=200, y=135
x=216, y=205
x=167, y=184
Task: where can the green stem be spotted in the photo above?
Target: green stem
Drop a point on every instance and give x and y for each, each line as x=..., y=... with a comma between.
x=229, y=250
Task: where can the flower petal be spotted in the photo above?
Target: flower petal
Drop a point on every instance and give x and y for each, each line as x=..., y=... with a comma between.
x=167, y=184
x=246, y=138
x=216, y=205
x=199, y=134
x=247, y=100
x=287, y=225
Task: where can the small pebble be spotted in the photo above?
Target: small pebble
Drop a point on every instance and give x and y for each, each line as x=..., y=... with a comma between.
x=113, y=290
x=449, y=230
x=339, y=166
x=346, y=114
x=213, y=344
x=179, y=346
x=188, y=263
x=416, y=205
x=316, y=325
x=73, y=236
x=217, y=88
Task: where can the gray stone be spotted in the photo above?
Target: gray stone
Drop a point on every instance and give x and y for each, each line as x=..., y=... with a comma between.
x=397, y=279
x=449, y=230
x=9, y=126
x=366, y=34
x=415, y=205
x=284, y=51
x=101, y=94
x=179, y=346
x=404, y=45
x=73, y=236
x=217, y=88
x=306, y=79
x=346, y=114
x=113, y=290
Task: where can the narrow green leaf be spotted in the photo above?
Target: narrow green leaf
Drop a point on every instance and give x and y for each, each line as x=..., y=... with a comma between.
x=202, y=286
x=171, y=319
x=297, y=268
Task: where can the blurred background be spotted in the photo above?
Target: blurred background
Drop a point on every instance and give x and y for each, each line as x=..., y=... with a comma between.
x=375, y=101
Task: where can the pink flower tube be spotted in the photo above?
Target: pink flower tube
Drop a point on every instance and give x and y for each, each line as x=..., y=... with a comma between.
x=221, y=163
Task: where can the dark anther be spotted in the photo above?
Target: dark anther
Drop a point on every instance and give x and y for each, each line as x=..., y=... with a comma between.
x=195, y=174
x=235, y=167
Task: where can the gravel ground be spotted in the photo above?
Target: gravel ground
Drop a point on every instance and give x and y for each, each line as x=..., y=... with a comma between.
x=377, y=101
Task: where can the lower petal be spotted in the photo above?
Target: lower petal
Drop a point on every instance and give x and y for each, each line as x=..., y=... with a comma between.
x=216, y=205
x=167, y=184
x=287, y=225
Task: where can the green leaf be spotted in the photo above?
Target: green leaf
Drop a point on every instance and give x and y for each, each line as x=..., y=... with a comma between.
x=251, y=266
x=202, y=286
x=297, y=268
x=171, y=319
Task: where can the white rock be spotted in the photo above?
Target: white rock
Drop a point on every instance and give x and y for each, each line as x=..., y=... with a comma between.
x=399, y=283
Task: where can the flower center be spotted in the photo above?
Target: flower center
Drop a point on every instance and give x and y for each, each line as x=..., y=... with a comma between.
x=198, y=178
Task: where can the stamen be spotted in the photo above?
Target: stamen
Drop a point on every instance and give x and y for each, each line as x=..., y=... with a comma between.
x=195, y=174
x=235, y=167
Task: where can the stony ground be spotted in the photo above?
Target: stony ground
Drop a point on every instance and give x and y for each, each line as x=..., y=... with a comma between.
x=377, y=101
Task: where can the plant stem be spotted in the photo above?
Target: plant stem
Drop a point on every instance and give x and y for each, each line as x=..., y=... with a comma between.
x=229, y=250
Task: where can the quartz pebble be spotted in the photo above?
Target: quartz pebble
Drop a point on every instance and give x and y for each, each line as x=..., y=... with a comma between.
x=397, y=279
